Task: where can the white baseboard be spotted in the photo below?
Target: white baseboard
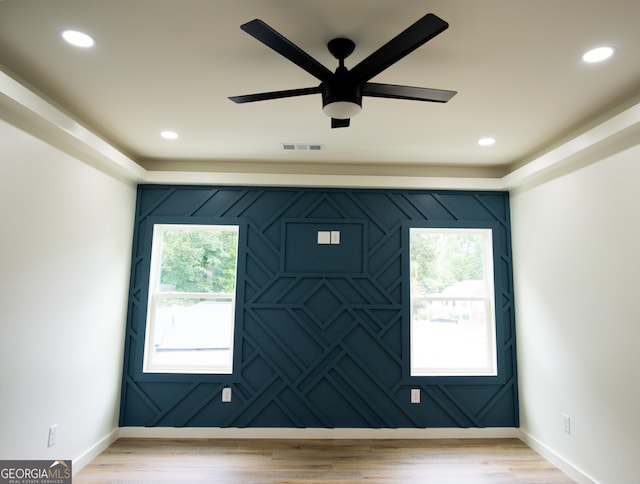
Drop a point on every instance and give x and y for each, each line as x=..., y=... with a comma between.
x=314, y=433
x=93, y=452
x=567, y=467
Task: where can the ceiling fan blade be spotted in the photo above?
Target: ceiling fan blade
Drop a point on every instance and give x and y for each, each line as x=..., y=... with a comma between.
x=264, y=96
x=404, y=43
x=407, y=92
x=271, y=38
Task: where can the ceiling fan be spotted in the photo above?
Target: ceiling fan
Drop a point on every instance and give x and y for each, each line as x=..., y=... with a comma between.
x=342, y=90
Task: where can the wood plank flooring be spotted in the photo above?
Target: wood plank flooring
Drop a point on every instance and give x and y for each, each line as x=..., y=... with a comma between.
x=231, y=461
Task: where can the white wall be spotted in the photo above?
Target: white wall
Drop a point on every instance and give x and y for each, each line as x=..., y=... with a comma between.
x=576, y=244
x=65, y=245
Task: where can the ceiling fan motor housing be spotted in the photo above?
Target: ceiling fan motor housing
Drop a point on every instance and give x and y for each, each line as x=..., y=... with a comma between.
x=342, y=88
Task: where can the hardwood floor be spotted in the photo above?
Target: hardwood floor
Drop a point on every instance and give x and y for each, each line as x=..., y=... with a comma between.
x=326, y=461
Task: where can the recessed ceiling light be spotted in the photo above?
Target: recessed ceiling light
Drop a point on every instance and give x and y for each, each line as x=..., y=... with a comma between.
x=486, y=141
x=77, y=38
x=169, y=135
x=598, y=54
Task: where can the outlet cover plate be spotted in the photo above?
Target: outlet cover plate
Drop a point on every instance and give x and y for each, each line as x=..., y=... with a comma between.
x=53, y=433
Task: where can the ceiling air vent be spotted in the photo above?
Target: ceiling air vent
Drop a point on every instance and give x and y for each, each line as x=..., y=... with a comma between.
x=301, y=147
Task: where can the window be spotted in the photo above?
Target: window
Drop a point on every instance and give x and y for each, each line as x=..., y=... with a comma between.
x=191, y=306
x=452, y=328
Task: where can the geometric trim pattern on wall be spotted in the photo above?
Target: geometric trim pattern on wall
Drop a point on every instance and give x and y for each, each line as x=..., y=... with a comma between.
x=321, y=337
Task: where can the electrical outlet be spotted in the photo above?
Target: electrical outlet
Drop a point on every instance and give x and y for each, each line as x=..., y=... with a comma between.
x=415, y=395
x=53, y=431
x=226, y=394
x=566, y=423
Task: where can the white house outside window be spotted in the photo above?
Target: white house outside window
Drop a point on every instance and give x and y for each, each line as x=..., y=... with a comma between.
x=191, y=306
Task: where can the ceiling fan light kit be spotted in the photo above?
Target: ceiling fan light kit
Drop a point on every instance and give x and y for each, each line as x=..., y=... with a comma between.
x=342, y=109
x=342, y=90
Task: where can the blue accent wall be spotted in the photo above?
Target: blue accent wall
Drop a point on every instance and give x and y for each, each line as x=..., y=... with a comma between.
x=321, y=337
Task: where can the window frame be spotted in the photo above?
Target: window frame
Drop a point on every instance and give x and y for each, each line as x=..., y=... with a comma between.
x=499, y=318
x=147, y=298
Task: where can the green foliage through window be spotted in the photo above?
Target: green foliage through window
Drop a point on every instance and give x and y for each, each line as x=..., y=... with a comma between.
x=441, y=259
x=199, y=260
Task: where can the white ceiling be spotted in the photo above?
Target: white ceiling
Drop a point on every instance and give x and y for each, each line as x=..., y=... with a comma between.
x=169, y=64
